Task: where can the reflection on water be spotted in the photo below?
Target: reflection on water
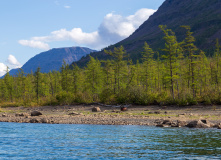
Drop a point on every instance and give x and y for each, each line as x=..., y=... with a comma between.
x=46, y=141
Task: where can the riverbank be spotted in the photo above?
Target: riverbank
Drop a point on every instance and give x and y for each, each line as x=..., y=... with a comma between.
x=112, y=115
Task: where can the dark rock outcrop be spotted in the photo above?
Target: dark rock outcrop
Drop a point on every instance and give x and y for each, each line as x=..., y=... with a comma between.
x=200, y=124
x=34, y=120
x=36, y=113
x=170, y=123
x=74, y=114
x=21, y=114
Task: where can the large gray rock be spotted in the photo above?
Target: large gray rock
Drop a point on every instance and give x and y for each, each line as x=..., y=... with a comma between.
x=36, y=113
x=44, y=120
x=74, y=114
x=34, y=120
x=21, y=114
x=200, y=124
x=96, y=109
x=170, y=123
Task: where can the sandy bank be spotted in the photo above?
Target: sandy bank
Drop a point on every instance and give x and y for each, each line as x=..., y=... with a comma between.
x=110, y=115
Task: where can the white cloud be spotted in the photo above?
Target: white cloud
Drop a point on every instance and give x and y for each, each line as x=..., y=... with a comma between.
x=3, y=69
x=34, y=44
x=76, y=35
x=114, y=28
x=67, y=7
x=140, y=16
x=13, y=61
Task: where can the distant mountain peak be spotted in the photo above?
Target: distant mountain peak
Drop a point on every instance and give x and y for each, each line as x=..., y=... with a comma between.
x=53, y=59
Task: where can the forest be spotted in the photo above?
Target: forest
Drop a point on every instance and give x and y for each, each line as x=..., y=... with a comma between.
x=181, y=76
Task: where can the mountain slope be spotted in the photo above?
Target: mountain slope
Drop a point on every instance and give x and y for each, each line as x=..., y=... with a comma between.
x=53, y=59
x=203, y=16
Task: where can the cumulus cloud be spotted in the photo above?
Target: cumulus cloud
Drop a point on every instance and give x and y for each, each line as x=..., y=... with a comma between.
x=3, y=69
x=34, y=44
x=11, y=62
x=113, y=29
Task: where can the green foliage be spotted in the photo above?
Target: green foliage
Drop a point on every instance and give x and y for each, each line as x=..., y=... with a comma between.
x=171, y=53
x=65, y=98
x=182, y=76
x=107, y=96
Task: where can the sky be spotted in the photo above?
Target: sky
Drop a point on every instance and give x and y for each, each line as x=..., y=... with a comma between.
x=29, y=27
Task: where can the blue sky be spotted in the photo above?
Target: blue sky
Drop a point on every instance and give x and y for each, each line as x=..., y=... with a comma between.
x=29, y=27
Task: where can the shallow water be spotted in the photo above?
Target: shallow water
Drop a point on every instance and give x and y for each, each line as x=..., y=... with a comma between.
x=59, y=141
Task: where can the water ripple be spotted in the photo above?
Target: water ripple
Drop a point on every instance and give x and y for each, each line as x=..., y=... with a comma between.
x=46, y=141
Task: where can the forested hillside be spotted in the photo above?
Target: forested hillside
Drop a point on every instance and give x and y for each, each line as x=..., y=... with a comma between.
x=203, y=16
x=183, y=75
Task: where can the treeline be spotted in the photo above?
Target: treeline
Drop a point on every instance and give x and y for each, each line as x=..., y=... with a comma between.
x=183, y=75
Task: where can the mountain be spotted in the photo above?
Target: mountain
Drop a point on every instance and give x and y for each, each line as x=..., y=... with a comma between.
x=203, y=16
x=53, y=59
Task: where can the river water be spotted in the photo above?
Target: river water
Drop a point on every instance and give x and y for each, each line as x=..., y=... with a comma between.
x=62, y=141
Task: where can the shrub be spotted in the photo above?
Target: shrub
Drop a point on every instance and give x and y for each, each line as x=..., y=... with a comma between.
x=65, y=98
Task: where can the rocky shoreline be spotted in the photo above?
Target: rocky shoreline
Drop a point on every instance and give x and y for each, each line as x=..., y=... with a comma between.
x=109, y=115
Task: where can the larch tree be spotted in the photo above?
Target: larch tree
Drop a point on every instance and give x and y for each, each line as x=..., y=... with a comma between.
x=38, y=78
x=190, y=51
x=171, y=52
x=118, y=64
x=65, y=77
x=217, y=57
x=94, y=78
x=147, y=63
x=76, y=79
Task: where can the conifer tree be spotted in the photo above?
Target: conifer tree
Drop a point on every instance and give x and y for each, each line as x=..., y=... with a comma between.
x=217, y=57
x=94, y=77
x=20, y=84
x=131, y=75
x=190, y=50
x=171, y=52
x=9, y=85
x=38, y=83
x=108, y=74
x=65, y=77
x=76, y=79
x=147, y=62
x=202, y=72
x=118, y=64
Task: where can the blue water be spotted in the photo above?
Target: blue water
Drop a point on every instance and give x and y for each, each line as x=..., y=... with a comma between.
x=58, y=141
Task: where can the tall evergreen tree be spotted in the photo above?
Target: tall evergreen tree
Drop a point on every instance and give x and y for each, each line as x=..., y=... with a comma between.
x=217, y=57
x=148, y=63
x=118, y=64
x=9, y=85
x=38, y=83
x=65, y=77
x=76, y=79
x=94, y=77
x=171, y=52
x=190, y=50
